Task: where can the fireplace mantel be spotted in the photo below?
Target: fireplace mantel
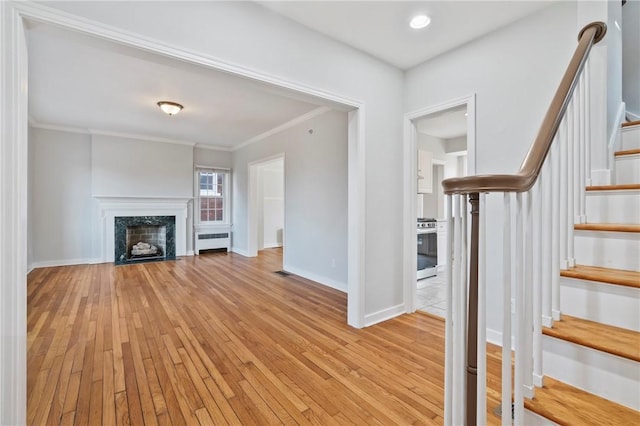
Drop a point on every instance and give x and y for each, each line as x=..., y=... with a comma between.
x=111, y=207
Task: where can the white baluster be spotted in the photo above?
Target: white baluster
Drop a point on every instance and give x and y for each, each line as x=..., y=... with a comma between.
x=526, y=327
x=571, y=139
x=564, y=264
x=506, y=312
x=546, y=232
x=459, y=305
x=463, y=291
x=481, y=415
x=555, y=231
x=589, y=119
x=581, y=162
x=538, y=277
x=519, y=318
x=448, y=350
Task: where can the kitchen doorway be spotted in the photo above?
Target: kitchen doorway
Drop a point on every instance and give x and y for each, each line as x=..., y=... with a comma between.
x=439, y=144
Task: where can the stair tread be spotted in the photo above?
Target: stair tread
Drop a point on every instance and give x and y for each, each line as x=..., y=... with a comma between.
x=611, y=227
x=604, y=275
x=623, y=187
x=631, y=123
x=606, y=338
x=627, y=152
x=567, y=405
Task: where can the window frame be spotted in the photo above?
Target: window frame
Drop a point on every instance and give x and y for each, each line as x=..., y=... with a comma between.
x=226, y=196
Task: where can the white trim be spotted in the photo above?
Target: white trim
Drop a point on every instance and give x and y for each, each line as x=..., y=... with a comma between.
x=301, y=119
x=66, y=262
x=69, y=129
x=13, y=216
x=634, y=117
x=410, y=185
x=384, y=314
x=270, y=246
x=240, y=251
x=356, y=209
x=326, y=281
x=190, y=253
x=614, y=138
x=213, y=147
x=139, y=137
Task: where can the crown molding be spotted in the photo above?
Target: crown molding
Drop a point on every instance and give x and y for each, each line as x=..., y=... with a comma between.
x=214, y=147
x=301, y=119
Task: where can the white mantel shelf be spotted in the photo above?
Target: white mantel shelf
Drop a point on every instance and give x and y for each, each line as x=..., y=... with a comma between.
x=111, y=207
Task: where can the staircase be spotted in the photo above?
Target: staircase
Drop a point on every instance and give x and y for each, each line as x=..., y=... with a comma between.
x=591, y=357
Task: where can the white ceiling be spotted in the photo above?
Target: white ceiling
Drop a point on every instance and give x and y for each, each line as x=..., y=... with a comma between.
x=82, y=82
x=381, y=28
x=87, y=83
x=448, y=124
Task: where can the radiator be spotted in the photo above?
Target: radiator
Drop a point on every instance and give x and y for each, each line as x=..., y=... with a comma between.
x=205, y=240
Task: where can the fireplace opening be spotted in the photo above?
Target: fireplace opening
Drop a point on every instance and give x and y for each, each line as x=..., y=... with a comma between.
x=146, y=242
x=144, y=239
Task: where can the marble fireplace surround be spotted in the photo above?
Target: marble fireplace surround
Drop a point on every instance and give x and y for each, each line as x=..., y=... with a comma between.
x=112, y=207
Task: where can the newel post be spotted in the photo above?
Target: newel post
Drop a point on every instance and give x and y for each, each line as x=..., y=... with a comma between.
x=472, y=317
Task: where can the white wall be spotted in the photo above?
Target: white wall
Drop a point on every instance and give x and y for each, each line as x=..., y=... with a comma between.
x=631, y=57
x=123, y=167
x=514, y=73
x=432, y=144
x=62, y=210
x=315, y=178
x=212, y=158
x=273, y=45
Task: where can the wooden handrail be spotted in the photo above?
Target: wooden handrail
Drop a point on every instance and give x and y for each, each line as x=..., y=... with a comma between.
x=530, y=168
x=522, y=181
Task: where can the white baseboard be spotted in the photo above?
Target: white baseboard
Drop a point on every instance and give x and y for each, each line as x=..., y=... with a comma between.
x=66, y=262
x=383, y=315
x=190, y=253
x=274, y=245
x=329, y=282
x=240, y=251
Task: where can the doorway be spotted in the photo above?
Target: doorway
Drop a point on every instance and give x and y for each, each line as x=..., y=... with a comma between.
x=439, y=144
x=266, y=204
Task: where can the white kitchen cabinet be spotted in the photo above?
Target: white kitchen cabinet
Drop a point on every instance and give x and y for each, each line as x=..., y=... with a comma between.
x=425, y=172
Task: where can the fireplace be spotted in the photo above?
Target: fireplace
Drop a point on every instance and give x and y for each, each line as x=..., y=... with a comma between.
x=144, y=239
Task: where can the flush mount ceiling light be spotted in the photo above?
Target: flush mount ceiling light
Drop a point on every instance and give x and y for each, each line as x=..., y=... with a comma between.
x=419, y=21
x=170, y=108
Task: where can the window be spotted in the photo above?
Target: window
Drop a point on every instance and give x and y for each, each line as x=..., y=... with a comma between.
x=212, y=195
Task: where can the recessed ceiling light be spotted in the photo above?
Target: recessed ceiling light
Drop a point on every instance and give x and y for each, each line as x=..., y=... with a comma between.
x=419, y=21
x=170, y=108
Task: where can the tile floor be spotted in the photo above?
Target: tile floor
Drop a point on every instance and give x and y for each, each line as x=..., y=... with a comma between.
x=431, y=295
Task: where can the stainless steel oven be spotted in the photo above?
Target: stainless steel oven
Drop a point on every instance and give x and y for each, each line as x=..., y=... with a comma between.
x=427, y=248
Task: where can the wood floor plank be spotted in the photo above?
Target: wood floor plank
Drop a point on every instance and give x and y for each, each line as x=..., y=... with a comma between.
x=221, y=339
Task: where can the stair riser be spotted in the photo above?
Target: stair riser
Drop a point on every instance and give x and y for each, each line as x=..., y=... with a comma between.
x=630, y=138
x=604, y=303
x=613, y=206
x=627, y=169
x=532, y=419
x=609, y=376
x=617, y=250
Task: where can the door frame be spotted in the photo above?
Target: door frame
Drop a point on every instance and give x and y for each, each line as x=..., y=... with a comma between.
x=14, y=174
x=252, y=205
x=410, y=184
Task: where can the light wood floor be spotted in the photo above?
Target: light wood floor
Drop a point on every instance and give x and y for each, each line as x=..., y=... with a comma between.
x=222, y=339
